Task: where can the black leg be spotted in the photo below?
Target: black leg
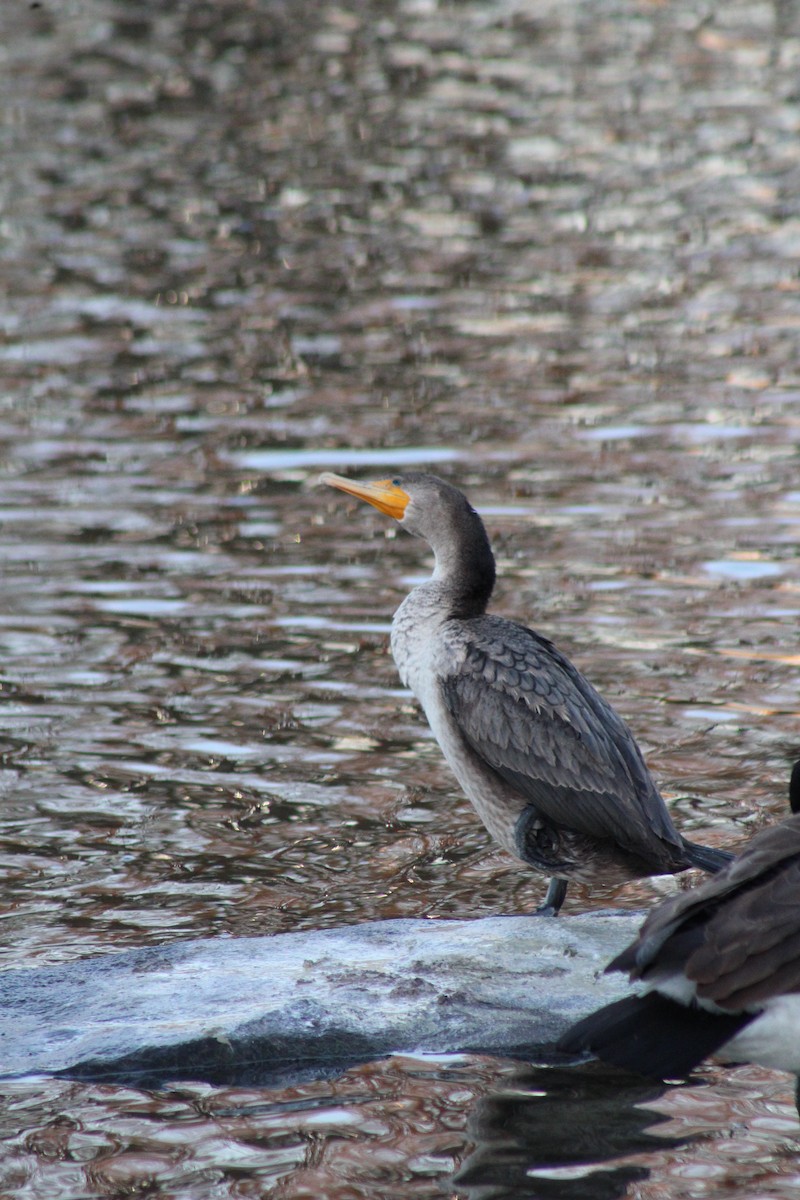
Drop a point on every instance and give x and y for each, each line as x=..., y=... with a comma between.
x=556, y=891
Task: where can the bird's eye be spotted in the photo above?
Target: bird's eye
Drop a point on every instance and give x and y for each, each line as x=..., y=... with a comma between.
x=396, y=482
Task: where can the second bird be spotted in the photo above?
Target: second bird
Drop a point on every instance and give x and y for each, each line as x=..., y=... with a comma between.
x=552, y=770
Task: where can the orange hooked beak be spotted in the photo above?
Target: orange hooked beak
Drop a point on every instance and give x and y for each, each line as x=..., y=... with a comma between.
x=384, y=495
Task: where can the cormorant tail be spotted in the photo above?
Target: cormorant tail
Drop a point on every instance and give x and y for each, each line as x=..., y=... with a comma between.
x=707, y=858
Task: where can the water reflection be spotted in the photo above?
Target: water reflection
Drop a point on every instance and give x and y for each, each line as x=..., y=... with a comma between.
x=554, y=1132
x=742, y=568
x=376, y=1130
x=474, y=1128
x=276, y=461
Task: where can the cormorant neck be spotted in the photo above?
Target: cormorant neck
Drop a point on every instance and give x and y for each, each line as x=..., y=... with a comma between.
x=464, y=564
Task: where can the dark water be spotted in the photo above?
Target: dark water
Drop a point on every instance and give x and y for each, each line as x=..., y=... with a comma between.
x=551, y=251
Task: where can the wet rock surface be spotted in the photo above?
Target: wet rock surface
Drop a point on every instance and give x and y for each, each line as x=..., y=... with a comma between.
x=301, y=1005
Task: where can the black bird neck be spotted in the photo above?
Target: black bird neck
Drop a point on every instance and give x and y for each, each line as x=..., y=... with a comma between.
x=465, y=567
x=794, y=788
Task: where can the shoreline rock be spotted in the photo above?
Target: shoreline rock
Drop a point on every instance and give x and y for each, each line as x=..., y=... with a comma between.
x=302, y=1005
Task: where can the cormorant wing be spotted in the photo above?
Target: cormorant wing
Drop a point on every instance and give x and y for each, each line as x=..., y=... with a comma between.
x=529, y=713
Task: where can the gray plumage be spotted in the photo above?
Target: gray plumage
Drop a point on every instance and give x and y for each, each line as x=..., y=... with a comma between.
x=551, y=768
x=526, y=710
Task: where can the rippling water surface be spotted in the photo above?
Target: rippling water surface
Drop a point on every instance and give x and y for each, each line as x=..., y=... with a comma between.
x=550, y=251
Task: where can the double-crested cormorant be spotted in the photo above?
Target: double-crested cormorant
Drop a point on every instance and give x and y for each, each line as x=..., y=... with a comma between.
x=721, y=967
x=552, y=770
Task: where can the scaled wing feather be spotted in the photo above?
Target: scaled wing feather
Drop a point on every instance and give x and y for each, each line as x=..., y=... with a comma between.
x=523, y=707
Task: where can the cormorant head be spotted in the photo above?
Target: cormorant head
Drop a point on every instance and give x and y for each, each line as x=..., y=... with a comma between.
x=434, y=510
x=423, y=504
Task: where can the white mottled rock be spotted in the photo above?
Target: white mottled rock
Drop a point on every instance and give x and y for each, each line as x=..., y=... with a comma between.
x=300, y=1004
